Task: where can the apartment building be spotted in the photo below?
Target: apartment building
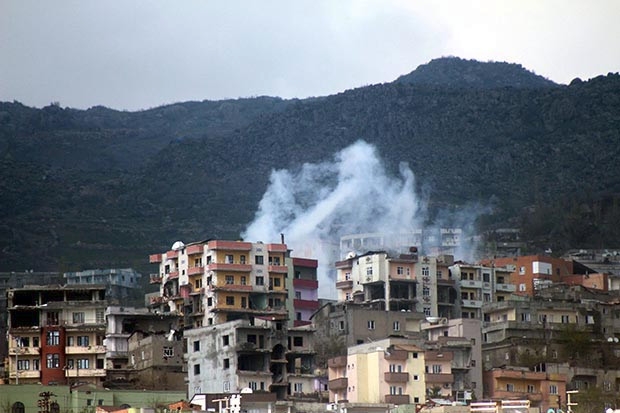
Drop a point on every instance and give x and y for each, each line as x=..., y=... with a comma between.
x=56, y=334
x=398, y=282
x=463, y=338
x=303, y=299
x=123, y=284
x=246, y=315
x=142, y=345
x=215, y=281
x=477, y=284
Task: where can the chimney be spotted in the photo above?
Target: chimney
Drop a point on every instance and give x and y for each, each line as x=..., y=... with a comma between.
x=282, y=238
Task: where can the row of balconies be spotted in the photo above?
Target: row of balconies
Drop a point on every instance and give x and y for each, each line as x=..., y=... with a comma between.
x=77, y=373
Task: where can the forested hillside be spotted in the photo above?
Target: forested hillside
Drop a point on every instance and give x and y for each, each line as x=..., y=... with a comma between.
x=100, y=188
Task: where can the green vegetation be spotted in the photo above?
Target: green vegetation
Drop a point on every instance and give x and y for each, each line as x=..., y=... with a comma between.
x=102, y=188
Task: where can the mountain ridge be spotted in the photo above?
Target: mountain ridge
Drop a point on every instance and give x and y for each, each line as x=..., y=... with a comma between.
x=101, y=188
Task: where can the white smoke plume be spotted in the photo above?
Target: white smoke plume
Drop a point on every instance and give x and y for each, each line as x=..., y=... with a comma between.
x=353, y=193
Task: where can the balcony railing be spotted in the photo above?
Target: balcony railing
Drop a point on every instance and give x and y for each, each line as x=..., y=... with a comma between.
x=305, y=284
x=472, y=303
x=85, y=350
x=85, y=372
x=198, y=269
x=397, y=398
x=220, y=266
x=396, y=377
x=439, y=378
x=306, y=304
x=281, y=269
x=344, y=284
x=510, y=288
x=155, y=278
x=337, y=384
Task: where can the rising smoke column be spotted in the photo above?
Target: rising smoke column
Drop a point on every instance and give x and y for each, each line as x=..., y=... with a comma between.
x=317, y=204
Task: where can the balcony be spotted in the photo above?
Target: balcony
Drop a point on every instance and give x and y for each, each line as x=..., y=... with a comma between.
x=155, y=258
x=155, y=279
x=277, y=247
x=229, y=245
x=344, y=264
x=472, y=303
x=172, y=254
x=397, y=398
x=158, y=300
x=26, y=374
x=24, y=351
x=503, y=394
x=338, y=384
x=232, y=287
x=396, y=355
x=344, y=284
x=195, y=270
x=85, y=350
x=85, y=373
x=280, y=269
x=471, y=284
x=509, y=288
x=220, y=266
x=394, y=377
x=195, y=249
x=172, y=275
x=299, y=283
x=335, y=362
x=306, y=304
x=439, y=378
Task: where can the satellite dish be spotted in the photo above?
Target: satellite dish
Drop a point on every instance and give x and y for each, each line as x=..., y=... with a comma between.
x=178, y=245
x=615, y=339
x=610, y=339
x=350, y=255
x=246, y=390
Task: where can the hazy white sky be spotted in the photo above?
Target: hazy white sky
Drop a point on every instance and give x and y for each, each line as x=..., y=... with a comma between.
x=132, y=54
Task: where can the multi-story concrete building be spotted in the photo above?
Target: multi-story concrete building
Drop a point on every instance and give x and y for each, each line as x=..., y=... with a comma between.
x=215, y=281
x=464, y=338
x=398, y=282
x=235, y=300
x=140, y=346
x=478, y=284
x=303, y=299
x=17, y=280
x=56, y=334
x=353, y=323
x=122, y=284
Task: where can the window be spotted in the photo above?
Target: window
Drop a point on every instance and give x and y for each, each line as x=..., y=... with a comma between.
x=230, y=300
x=414, y=355
x=525, y=317
x=226, y=363
x=197, y=345
x=298, y=341
x=23, y=364
x=425, y=272
x=198, y=283
x=53, y=361
x=83, y=363
x=55, y=408
x=341, y=325
x=427, y=311
x=564, y=319
x=371, y=324
x=510, y=387
x=209, y=301
x=347, y=275
x=242, y=259
x=230, y=280
x=530, y=388
x=225, y=340
x=243, y=280
x=396, y=325
x=168, y=352
x=260, y=280
x=100, y=316
x=472, y=363
x=276, y=282
x=521, y=270
x=400, y=270
x=230, y=259
x=369, y=271
x=396, y=368
x=416, y=377
x=259, y=260
x=553, y=389
x=196, y=369
x=426, y=291
x=253, y=385
x=522, y=287
x=298, y=316
x=298, y=387
x=53, y=338
x=298, y=295
x=82, y=341
x=486, y=277
x=436, y=368
x=78, y=318
x=439, y=274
